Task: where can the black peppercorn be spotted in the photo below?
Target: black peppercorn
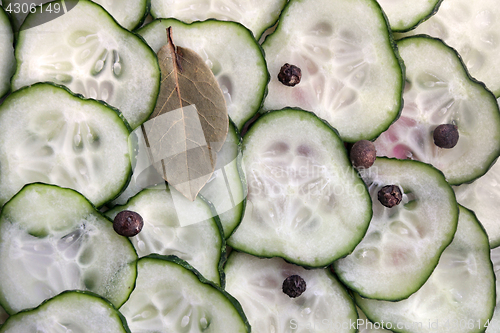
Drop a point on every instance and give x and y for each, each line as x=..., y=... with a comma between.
x=294, y=286
x=289, y=75
x=390, y=195
x=446, y=136
x=363, y=154
x=128, y=223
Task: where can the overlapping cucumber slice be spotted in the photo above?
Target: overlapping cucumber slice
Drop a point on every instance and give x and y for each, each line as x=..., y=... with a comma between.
x=7, y=60
x=70, y=311
x=170, y=296
x=459, y=295
x=404, y=15
x=403, y=243
x=52, y=239
x=351, y=73
x=174, y=225
x=324, y=306
x=472, y=28
x=305, y=202
x=494, y=323
x=440, y=91
x=231, y=52
x=256, y=16
x=87, y=51
x=50, y=135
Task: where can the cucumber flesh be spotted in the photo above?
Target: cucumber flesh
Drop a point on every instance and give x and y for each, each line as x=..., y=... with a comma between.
x=439, y=91
x=458, y=297
x=7, y=60
x=403, y=243
x=231, y=52
x=52, y=239
x=305, y=202
x=87, y=51
x=174, y=225
x=351, y=74
x=70, y=311
x=170, y=296
x=494, y=323
x=257, y=284
x=406, y=15
x=49, y=135
x=129, y=13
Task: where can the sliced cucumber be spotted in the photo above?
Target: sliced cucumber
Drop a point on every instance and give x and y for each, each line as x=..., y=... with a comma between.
x=87, y=51
x=170, y=296
x=367, y=326
x=458, y=297
x=7, y=60
x=406, y=15
x=256, y=16
x=482, y=196
x=305, y=202
x=129, y=13
x=440, y=91
x=324, y=306
x=470, y=27
x=72, y=311
x=232, y=53
x=177, y=226
x=50, y=135
x=494, y=323
x=351, y=73
x=52, y=239
x=403, y=243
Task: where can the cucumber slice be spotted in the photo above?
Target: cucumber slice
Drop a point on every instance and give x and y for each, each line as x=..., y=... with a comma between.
x=305, y=202
x=351, y=74
x=470, y=27
x=440, y=91
x=72, y=311
x=87, y=51
x=7, y=60
x=256, y=16
x=482, y=196
x=366, y=326
x=403, y=243
x=52, y=239
x=406, y=15
x=232, y=53
x=129, y=13
x=173, y=225
x=325, y=306
x=494, y=323
x=458, y=297
x=50, y=135
x=170, y=296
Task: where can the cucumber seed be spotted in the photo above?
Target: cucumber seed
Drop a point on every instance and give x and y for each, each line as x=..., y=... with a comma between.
x=446, y=136
x=363, y=154
x=289, y=75
x=390, y=195
x=128, y=223
x=294, y=286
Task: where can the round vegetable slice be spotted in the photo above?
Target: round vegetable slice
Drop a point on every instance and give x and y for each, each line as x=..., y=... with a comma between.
x=52, y=239
x=494, y=323
x=173, y=225
x=439, y=91
x=305, y=201
x=71, y=311
x=7, y=60
x=231, y=52
x=170, y=296
x=324, y=306
x=50, y=135
x=87, y=51
x=459, y=295
x=404, y=15
x=403, y=243
x=351, y=73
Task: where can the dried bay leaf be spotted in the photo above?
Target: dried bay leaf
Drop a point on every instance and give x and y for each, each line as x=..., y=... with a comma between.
x=190, y=121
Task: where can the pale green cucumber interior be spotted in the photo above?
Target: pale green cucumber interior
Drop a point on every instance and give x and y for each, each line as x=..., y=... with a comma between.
x=405, y=15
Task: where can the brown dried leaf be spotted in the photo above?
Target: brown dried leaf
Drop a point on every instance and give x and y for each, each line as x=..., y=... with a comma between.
x=190, y=122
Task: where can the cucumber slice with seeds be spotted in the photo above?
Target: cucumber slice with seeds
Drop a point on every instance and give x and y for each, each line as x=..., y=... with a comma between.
x=325, y=306
x=173, y=225
x=52, y=239
x=406, y=15
x=7, y=60
x=231, y=52
x=89, y=53
x=349, y=64
x=403, y=243
x=458, y=297
x=440, y=91
x=305, y=202
x=71, y=311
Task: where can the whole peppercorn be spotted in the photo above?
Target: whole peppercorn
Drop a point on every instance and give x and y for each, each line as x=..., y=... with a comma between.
x=294, y=286
x=290, y=75
x=363, y=154
x=446, y=136
x=128, y=223
x=390, y=195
